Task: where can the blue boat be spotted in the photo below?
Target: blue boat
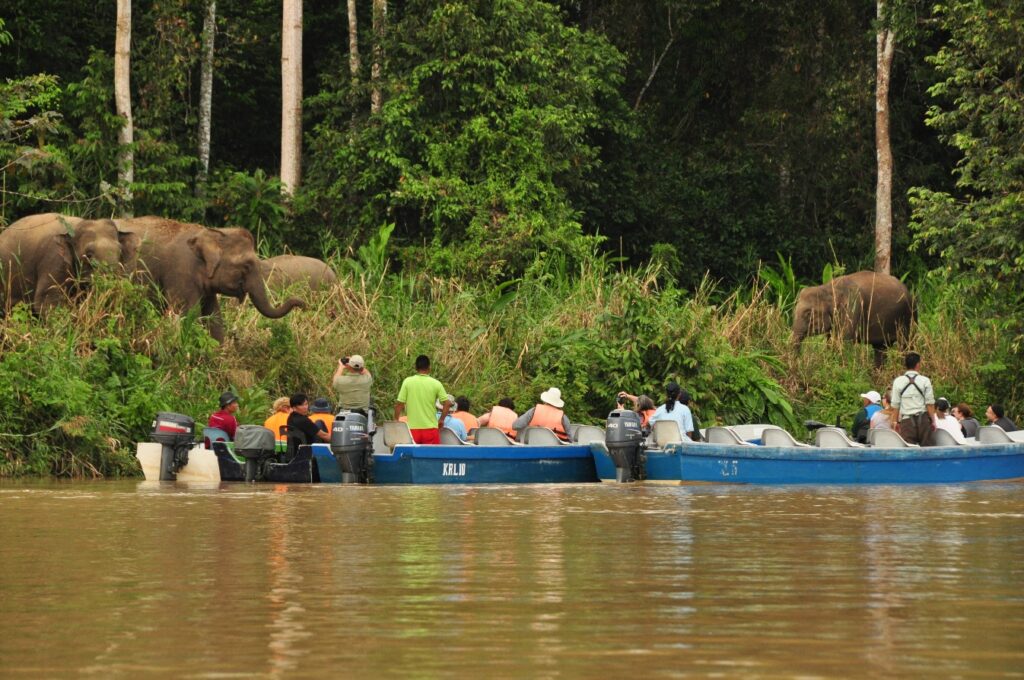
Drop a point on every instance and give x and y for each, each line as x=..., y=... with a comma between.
x=469, y=464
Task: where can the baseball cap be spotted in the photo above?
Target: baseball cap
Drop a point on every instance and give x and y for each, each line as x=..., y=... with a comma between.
x=356, y=362
x=227, y=398
x=872, y=396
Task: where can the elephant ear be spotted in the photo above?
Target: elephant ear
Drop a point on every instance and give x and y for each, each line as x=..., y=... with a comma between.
x=65, y=247
x=208, y=247
x=130, y=243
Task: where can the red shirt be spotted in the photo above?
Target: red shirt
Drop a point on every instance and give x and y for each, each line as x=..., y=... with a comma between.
x=225, y=421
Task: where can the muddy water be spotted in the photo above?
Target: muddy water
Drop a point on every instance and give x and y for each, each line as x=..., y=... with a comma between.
x=129, y=579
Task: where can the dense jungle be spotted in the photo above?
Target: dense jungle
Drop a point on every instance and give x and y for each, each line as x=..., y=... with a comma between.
x=590, y=195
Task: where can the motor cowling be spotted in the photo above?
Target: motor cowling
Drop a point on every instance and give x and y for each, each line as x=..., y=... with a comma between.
x=176, y=435
x=624, y=439
x=256, y=444
x=350, y=444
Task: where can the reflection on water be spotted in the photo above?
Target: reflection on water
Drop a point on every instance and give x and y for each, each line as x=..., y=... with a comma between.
x=126, y=578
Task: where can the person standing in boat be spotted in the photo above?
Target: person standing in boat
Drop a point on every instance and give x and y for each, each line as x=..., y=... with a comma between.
x=417, y=397
x=501, y=416
x=352, y=382
x=914, y=401
x=862, y=421
x=224, y=419
x=548, y=413
x=675, y=410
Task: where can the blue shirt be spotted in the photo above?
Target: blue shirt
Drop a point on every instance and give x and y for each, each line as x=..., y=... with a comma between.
x=455, y=425
x=679, y=413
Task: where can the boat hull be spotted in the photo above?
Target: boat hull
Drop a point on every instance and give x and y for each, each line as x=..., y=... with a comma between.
x=717, y=463
x=409, y=464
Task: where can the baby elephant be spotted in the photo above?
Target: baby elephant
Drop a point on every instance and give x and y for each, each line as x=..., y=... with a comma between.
x=43, y=257
x=285, y=270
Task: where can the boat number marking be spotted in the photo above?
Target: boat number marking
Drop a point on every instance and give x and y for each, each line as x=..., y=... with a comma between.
x=730, y=468
x=453, y=469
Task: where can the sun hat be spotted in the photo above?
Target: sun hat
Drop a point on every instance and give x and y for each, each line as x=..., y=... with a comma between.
x=872, y=396
x=227, y=398
x=356, y=362
x=552, y=396
x=320, y=405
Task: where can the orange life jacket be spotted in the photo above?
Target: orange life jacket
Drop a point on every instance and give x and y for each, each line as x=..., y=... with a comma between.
x=502, y=418
x=545, y=415
x=468, y=419
x=645, y=416
x=278, y=424
x=326, y=418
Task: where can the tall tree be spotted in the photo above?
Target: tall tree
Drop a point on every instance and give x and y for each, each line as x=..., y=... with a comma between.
x=380, y=16
x=885, y=44
x=123, y=102
x=291, y=96
x=206, y=95
x=353, y=41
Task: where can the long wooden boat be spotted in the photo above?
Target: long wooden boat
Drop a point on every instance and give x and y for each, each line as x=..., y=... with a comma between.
x=697, y=462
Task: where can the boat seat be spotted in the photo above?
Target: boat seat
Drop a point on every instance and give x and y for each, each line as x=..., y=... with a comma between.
x=450, y=437
x=725, y=435
x=943, y=438
x=589, y=433
x=887, y=439
x=573, y=429
x=993, y=434
x=666, y=432
x=492, y=436
x=214, y=434
x=749, y=431
x=395, y=433
x=1016, y=435
x=776, y=436
x=541, y=436
x=834, y=438
x=296, y=440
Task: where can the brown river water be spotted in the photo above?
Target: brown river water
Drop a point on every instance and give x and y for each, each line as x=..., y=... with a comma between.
x=129, y=579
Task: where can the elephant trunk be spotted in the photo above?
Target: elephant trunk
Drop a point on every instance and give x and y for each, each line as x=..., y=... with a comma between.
x=257, y=290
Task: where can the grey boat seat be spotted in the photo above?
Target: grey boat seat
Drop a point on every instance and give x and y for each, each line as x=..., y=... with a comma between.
x=450, y=437
x=396, y=433
x=541, y=436
x=943, y=438
x=993, y=434
x=573, y=429
x=887, y=439
x=781, y=438
x=719, y=434
x=589, y=433
x=835, y=438
x=666, y=432
x=748, y=431
x=492, y=436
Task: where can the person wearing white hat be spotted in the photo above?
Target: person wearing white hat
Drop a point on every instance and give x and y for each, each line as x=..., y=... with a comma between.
x=352, y=382
x=548, y=413
x=870, y=405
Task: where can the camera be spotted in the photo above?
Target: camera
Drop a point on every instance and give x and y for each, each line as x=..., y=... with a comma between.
x=344, y=360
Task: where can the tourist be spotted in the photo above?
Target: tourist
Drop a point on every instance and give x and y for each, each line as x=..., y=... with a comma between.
x=320, y=412
x=643, y=405
x=224, y=419
x=352, y=382
x=945, y=421
x=674, y=410
x=501, y=417
x=299, y=421
x=548, y=413
x=278, y=421
x=862, y=421
x=417, y=396
x=450, y=421
x=914, y=401
x=996, y=415
x=469, y=421
x=685, y=400
x=885, y=418
x=968, y=423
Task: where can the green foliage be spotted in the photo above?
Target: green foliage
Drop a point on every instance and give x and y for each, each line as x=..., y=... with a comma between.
x=250, y=200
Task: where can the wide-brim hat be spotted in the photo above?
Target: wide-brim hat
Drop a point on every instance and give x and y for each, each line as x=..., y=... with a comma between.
x=872, y=396
x=356, y=362
x=320, y=405
x=553, y=397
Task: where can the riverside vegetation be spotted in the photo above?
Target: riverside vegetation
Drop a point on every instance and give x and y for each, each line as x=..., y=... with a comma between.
x=81, y=386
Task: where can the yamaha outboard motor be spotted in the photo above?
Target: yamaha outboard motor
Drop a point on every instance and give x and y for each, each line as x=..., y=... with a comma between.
x=256, y=444
x=176, y=435
x=350, y=444
x=625, y=441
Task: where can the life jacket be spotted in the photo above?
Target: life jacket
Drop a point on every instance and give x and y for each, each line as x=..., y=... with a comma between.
x=278, y=424
x=545, y=415
x=645, y=417
x=467, y=419
x=502, y=419
x=326, y=418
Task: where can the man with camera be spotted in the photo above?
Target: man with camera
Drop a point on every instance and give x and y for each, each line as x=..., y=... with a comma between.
x=352, y=382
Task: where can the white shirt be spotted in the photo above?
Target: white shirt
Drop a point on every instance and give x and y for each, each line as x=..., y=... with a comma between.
x=915, y=398
x=679, y=413
x=950, y=425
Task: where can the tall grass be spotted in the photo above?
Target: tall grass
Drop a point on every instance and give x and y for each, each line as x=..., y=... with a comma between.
x=79, y=387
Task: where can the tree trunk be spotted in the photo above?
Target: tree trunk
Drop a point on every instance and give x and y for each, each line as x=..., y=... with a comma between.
x=380, y=16
x=353, y=42
x=885, y=46
x=291, y=96
x=206, y=96
x=123, y=103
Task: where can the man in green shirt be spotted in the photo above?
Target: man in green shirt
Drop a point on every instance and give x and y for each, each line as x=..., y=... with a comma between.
x=418, y=395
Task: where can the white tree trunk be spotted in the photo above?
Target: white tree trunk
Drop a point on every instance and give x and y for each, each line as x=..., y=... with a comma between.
x=380, y=17
x=353, y=42
x=885, y=47
x=206, y=96
x=291, y=96
x=123, y=103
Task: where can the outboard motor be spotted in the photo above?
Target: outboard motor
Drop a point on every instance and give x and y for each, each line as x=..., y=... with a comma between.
x=176, y=435
x=255, y=443
x=350, y=444
x=625, y=441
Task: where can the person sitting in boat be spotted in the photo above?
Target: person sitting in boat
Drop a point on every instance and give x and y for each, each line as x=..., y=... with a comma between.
x=675, y=410
x=945, y=421
x=450, y=421
x=462, y=413
x=643, y=405
x=968, y=423
x=548, y=413
x=862, y=421
x=686, y=400
x=885, y=417
x=278, y=420
x=352, y=382
x=996, y=415
x=299, y=421
x=224, y=419
x=320, y=412
x=501, y=416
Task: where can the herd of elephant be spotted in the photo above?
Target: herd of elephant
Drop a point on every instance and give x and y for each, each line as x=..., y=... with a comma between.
x=45, y=259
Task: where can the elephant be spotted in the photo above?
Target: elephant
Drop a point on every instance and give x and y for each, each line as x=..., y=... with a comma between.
x=861, y=307
x=191, y=264
x=285, y=270
x=44, y=257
